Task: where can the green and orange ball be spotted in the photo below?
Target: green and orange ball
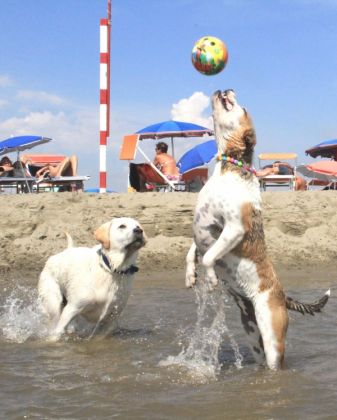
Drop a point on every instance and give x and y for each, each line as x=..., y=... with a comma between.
x=209, y=55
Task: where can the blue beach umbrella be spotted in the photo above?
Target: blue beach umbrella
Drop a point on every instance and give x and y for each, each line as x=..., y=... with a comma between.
x=197, y=156
x=19, y=143
x=326, y=148
x=171, y=128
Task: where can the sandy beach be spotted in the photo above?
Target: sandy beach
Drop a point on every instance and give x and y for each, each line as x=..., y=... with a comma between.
x=300, y=228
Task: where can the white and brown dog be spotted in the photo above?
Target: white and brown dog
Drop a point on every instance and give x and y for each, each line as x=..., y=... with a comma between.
x=94, y=283
x=229, y=236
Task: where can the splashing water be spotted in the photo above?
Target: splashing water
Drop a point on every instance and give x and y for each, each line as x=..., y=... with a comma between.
x=21, y=317
x=201, y=355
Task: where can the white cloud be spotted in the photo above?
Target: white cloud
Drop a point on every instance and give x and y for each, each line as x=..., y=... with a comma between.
x=191, y=110
x=39, y=96
x=5, y=80
x=72, y=133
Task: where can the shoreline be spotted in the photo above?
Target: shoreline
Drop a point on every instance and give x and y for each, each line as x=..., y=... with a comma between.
x=300, y=228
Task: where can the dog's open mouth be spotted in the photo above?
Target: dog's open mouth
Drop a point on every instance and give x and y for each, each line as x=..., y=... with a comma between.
x=227, y=98
x=138, y=242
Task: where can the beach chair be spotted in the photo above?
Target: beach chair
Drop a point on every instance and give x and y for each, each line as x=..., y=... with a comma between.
x=278, y=180
x=195, y=179
x=148, y=171
x=140, y=173
x=20, y=179
x=322, y=174
x=151, y=173
x=33, y=162
x=18, y=184
x=17, y=180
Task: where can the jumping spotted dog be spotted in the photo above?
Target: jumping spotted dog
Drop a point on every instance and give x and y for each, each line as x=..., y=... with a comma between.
x=229, y=237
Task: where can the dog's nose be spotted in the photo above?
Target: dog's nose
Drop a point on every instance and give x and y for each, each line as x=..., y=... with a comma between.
x=138, y=230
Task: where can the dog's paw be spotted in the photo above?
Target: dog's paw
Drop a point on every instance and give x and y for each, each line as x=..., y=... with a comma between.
x=210, y=275
x=190, y=278
x=211, y=279
x=53, y=338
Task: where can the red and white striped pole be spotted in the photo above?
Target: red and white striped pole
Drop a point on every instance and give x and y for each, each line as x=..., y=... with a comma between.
x=104, y=109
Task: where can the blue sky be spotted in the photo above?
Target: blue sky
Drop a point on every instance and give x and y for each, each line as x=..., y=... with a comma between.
x=282, y=64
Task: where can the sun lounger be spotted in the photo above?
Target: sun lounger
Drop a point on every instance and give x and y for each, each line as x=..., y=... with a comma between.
x=61, y=183
x=278, y=180
x=195, y=179
x=128, y=152
x=145, y=173
x=322, y=173
x=20, y=184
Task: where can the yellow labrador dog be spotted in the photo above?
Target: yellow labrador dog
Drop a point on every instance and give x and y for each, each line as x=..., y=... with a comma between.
x=92, y=282
x=229, y=236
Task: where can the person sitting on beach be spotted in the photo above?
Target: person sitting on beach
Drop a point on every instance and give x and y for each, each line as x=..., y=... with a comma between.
x=282, y=168
x=165, y=162
x=6, y=167
x=144, y=176
x=68, y=167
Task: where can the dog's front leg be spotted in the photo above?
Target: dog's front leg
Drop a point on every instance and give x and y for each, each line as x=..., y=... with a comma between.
x=230, y=237
x=106, y=327
x=191, y=258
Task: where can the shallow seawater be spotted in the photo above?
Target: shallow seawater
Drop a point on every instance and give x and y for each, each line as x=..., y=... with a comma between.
x=177, y=354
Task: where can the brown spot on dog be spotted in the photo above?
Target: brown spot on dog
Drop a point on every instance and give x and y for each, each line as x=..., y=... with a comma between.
x=240, y=143
x=240, y=146
x=253, y=247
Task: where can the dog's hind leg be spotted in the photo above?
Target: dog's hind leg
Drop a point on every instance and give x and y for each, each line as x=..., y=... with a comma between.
x=272, y=320
x=249, y=324
x=51, y=297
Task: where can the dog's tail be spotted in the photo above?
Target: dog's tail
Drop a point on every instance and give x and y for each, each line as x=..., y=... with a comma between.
x=70, y=242
x=308, y=308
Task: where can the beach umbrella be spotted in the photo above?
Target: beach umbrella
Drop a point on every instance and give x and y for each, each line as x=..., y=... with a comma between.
x=197, y=156
x=19, y=143
x=172, y=129
x=326, y=148
x=325, y=170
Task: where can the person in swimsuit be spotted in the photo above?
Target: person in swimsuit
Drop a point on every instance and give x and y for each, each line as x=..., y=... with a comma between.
x=68, y=167
x=165, y=162
x=282, y=168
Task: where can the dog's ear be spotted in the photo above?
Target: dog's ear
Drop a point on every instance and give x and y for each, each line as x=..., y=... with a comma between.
x=102, y=235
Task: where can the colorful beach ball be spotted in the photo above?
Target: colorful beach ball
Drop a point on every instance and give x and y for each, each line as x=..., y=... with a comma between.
x=209, y=55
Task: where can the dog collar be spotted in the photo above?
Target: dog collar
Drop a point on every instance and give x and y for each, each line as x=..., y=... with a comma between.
x=106, y=263
x=240, y=163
